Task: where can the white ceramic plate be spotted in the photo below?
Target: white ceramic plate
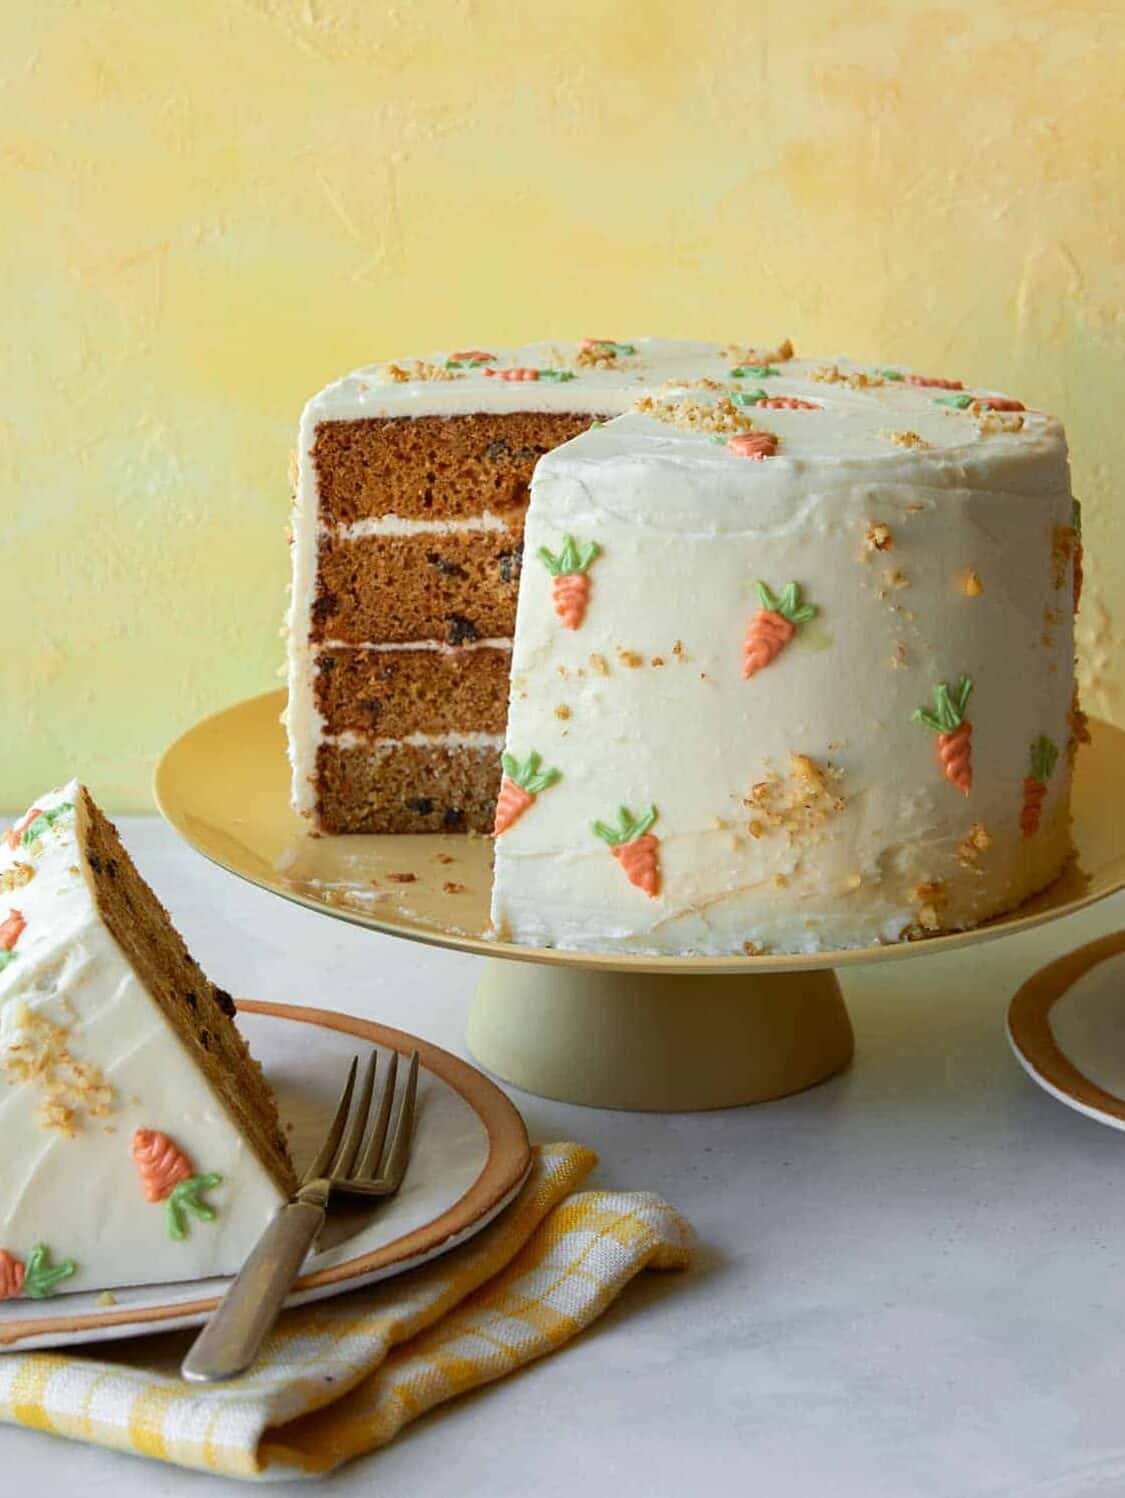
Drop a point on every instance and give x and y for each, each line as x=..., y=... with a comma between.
x=1067, y=1028
x=470, y=1158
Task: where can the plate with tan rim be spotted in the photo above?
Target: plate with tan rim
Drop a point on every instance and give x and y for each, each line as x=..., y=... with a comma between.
x=1067, y=1028
x=469, y=1159
x=224, y=786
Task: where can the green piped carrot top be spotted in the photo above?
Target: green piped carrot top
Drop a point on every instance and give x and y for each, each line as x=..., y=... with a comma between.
x=528, y=776
x=949, y=706
x=571, y=559
x=628, y=829
x=789, y=605
x=1044, y=757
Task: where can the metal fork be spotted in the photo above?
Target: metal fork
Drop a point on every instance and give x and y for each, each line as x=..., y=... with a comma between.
x=232, y=1338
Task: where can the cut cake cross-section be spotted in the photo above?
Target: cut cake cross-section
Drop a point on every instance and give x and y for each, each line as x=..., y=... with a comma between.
x=141, y=1142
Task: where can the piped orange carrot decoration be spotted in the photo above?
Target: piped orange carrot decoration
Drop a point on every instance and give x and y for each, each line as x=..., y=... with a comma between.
x=520, y=786
x=16, y=831
x=634, y=847
x=11, y=930
x=930, y=382
x=160, y=1163
x=954, y=731
x=1044, y=757
x=570, y=570
x=11, y=1275
x=786, y=403
x=773, y=626
x=756, y=445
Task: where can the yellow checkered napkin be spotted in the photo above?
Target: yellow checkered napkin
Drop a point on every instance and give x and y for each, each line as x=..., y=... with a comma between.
x=342, y=1377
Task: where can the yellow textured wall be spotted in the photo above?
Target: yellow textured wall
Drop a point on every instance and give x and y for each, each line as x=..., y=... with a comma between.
x=210, y=209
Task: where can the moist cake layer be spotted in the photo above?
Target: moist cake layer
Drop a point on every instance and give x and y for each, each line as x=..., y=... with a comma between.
x=399, y=787
x=454, y=588
x=394, y=693
x=200, y=1013
x=433, y=466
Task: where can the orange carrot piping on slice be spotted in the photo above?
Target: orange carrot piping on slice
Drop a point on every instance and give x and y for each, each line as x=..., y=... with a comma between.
x=999, y=403
x=160, y=1163
x=570, y=589
x=773, y=626
x=17, y=829
x=753, y=445
x=635, y=847
x=11, y=1275
x=521, y=785
x=1044, y=757
x=954, y=731
x=11, y=930
x=518, y=373
x=930, y=382
x=786, y=403
x=469, y=356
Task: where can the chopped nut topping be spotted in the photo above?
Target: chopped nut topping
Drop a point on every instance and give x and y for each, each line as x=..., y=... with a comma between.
x=452, y=887
x=41, y=1056
x=402, y=878
x=600, y=664
x=995, y=421
x=894, y=578
x=701, y=384
x=898, y=654
x=798, y=803
x=906, y=439
x=630, y=658
x=17, y=876
x=697, y=416
x=657, y=660
x=596, y=356
x=421, y=369
x=854, y=379
x=978, y=841
x=971, y=585
x=678, y=649
x=753, y=948
x=562, y=711
x=853, y=881
x=739, y=354
x=879, y=537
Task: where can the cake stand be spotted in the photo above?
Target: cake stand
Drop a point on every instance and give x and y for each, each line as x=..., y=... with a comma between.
x=614, y=1030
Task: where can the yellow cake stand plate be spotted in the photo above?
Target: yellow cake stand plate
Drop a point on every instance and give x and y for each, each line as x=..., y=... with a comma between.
x=612, y=1030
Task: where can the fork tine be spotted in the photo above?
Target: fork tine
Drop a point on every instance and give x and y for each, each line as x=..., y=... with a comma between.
x=328, y=1148
x=370, y=1162
x=399, y=1152
x=354, y=1137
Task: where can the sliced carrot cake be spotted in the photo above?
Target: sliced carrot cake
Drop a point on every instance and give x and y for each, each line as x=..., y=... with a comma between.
x=141, y=1142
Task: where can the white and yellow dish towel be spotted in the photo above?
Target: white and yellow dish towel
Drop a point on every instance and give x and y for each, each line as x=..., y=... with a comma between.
x=342, y=1377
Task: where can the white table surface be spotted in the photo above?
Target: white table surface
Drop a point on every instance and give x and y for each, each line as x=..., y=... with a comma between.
x=909, y=1281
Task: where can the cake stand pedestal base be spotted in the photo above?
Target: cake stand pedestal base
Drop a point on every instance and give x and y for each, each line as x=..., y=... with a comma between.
x=670, y=1043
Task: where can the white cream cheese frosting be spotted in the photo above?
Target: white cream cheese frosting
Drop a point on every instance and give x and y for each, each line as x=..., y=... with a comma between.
x=86, y=1060
x=804, y=806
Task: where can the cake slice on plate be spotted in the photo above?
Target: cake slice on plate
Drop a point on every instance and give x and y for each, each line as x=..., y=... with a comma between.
x=141, y=1142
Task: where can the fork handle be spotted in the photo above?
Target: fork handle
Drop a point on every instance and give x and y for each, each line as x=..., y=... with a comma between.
x=232, y=1338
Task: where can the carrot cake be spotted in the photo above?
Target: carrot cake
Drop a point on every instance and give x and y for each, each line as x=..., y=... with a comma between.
x=141, y=1143
x=793, y=658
